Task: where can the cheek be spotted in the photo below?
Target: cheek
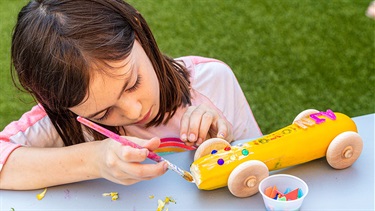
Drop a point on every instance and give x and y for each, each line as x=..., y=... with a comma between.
x=156, y=90
x=152, y=84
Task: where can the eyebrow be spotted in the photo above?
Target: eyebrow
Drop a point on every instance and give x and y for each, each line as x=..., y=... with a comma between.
x=118, y=97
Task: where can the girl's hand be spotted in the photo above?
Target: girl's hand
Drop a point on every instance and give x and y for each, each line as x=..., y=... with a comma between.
x=122, y=164
x=202, y=122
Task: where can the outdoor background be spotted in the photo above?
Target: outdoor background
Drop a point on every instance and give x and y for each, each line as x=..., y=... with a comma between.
x=288, y=55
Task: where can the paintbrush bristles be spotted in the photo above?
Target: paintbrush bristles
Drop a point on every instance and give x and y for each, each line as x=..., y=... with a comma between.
x=187, y=176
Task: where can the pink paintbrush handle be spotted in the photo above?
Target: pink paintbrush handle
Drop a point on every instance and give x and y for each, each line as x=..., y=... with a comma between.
x=152, y=155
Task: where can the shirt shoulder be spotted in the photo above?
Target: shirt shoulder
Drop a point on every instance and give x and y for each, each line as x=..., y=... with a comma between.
x=34, y=128
x=205, y=70
x=214, y=82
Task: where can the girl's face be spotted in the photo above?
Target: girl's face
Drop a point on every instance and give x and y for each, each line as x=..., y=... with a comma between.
x=128, y=94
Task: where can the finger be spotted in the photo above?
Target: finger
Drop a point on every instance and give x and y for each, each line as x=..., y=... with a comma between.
x=130, y=173
x=224, y=130
x=152, y=144
x=145, y=171
x=195, y=123
x=123, y=180
x=127, y=181
x=207, y=122
x=190, y=144
x=130, y=154
x=138, y=141
x=184, y=124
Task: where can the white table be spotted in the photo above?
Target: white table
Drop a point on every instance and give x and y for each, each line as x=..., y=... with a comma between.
x=348, y=189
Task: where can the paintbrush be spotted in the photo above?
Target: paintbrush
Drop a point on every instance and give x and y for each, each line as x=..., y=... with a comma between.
x=152, y=155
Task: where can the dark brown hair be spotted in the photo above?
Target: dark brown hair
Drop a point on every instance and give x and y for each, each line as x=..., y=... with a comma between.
x=55, y=42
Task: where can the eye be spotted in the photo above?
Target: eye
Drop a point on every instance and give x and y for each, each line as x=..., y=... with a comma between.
x=136, y=85
x=131, y=89
x=105, y=116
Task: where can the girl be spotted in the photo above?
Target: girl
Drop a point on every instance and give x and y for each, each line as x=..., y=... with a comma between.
x=98, y=59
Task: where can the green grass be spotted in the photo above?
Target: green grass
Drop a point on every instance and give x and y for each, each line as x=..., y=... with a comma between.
x=12, y=102
x=288, y=55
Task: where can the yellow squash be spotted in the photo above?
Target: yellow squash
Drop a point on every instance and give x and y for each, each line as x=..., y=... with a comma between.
x=304, y=140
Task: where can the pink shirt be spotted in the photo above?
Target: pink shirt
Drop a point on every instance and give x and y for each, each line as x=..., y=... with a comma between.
x=212, y=82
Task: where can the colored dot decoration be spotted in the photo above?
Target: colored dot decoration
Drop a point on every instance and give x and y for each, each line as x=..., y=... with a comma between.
x=245, y=152
x=220, y=161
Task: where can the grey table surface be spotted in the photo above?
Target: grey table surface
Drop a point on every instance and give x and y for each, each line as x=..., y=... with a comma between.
x=329, y=189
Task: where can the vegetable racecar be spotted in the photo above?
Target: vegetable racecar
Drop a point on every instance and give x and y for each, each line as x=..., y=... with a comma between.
x=312, y=135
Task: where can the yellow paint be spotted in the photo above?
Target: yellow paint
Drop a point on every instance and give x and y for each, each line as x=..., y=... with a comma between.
x=162, y=204
x=114, y=195
x=41, y=195
x=291, y=145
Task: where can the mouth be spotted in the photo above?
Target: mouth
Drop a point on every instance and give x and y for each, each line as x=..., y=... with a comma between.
x=145, y=118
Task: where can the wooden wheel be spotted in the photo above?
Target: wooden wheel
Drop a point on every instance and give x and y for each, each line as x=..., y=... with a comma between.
x=344, y=150
x=305, y=113
x=244, y=180
x=206, y=147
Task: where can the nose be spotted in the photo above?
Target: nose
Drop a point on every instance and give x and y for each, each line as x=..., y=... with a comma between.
x=130, y=108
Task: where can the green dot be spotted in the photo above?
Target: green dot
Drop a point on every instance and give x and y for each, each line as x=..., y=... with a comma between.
x=245, y=152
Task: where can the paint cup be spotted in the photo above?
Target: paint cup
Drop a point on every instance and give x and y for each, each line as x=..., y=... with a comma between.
x=283, y=182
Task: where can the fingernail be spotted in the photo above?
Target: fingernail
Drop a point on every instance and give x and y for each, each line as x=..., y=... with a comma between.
x=145, y=151
x=165, y=166
x=191, y=137
x=199, y=142
x=221, y=135
x=184, y=137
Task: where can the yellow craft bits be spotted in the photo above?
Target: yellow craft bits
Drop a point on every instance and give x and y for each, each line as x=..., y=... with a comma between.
x=113, y=195
x=41, y=195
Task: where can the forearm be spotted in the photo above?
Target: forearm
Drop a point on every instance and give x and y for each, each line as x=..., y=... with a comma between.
x=33, y=168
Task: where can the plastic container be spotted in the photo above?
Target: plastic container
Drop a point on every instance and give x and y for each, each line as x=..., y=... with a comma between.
x=282, y=182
